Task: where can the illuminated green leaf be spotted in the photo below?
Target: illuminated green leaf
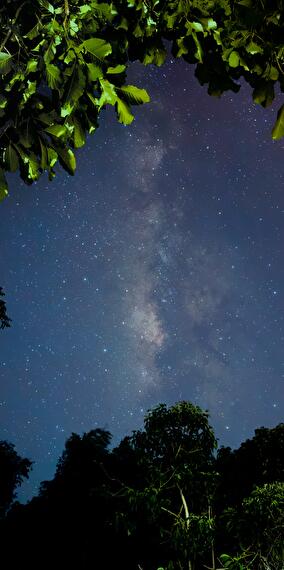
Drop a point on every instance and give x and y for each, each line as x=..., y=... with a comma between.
x=79, y=133
x=123, y=112
x=5, y=62
x=53, y=76
x=278, y=129
x=116, y=69
x=94, y=72
x=109, y=94
x=254, y=48
x=67, y=159
x=133, y=95
x=97, y=47
x=32, y=66
x=57, y=131
x=234, y=59
x=3, y=185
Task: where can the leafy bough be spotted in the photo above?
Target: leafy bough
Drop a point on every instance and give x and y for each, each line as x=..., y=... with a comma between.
x=61, y=63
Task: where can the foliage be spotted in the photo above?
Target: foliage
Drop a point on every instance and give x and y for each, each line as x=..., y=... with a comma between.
x=13, y=470
x=174, y=459
x=62, y=62
x=153, y=502
x=257, y=526
x=4, y=319
x=257, y=461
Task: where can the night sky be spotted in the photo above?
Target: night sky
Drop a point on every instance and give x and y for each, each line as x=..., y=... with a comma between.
x=154, y=275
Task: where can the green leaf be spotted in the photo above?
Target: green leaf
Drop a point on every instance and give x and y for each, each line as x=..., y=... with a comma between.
x=104, y=10
x=3, y=102
x=93, y=99
x=234, y=59
x=50, y=52
x=97, y=47
x=30, y=162
x=73, y=26
x=67, y=159
x=52, y=76
x=123, y=112
x=34, y=32
x=17, y=77
x=79, y=136
x=123, y=24
x=29, y=91
x=74, y=90
x=85, y=9
x=109, y=94
x=5, y=62
x=198, y=53
x=116, y=69
x=264, y=94
x=138, y=33
x=133, y=94
x=44, y=162
x=32, y=66
x=155, y=55
x=39, y=45
x=48, y=118
x=273, y=73
x=33, y=167
x=66, y=110
x=57, y=131
x=11, y=158
x=209, y=24
x=182, y=48
x=278, y=129
x=3, y=185
x=70, y=56
x=253, y=48
x=94, y=72
x=52, y=156
x=45, y=4
x=197, y=26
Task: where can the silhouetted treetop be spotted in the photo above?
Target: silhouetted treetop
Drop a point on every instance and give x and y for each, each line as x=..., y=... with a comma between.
x=13, y=470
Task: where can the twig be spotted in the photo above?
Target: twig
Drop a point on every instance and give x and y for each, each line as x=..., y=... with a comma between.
x=9, y=33
x=67, y=12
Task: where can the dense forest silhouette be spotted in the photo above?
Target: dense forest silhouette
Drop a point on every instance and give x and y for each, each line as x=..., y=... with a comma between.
x=165, y=498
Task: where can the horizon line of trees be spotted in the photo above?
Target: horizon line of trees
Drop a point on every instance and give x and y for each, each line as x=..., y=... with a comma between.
x=166, y=498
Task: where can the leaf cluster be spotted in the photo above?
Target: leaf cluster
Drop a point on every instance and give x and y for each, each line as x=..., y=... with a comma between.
x=62, y=62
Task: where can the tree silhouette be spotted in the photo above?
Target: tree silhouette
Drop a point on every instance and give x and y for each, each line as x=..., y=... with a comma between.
x=158, y=500
x=4, y=319
x=13, y=470
x=170, y=501
x=257, y=461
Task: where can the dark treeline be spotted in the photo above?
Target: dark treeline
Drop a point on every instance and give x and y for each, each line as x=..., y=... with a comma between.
x=4, y=319
x=164, y=498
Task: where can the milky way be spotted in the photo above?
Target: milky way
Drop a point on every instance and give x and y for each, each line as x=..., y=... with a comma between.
x=154, y=275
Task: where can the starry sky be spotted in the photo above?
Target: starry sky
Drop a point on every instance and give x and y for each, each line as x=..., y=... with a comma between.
x=154, y=275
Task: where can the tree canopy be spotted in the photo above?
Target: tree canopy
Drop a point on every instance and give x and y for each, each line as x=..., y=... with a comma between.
x=161, y=500
x=13, y=470
x=62, y=62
